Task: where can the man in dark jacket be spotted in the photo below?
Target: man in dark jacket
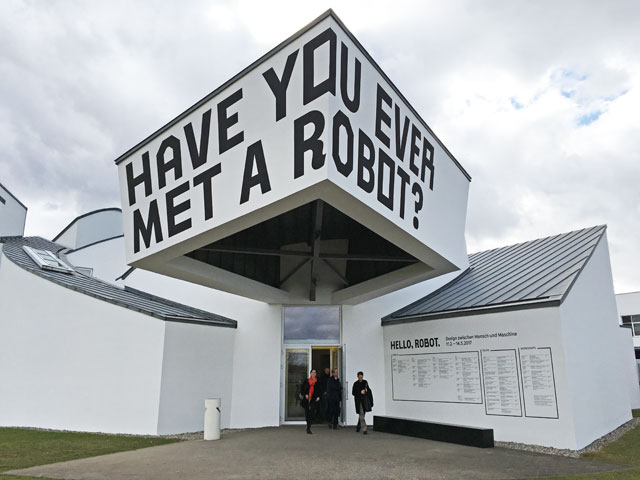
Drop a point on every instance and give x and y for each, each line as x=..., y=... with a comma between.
x=363, y=398
x=334, y=397
x=323, y=378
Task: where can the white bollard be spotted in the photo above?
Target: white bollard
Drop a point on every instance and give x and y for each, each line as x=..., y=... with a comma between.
x=212, y=419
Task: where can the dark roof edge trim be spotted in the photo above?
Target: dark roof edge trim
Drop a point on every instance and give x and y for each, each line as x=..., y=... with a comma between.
x=100, y=210
x=92, y=244
x=472, y=311
x=269, y=54
x=197, y=321
x=129, y=271
x=584, y=263
x=14, y=197
x=195, y=311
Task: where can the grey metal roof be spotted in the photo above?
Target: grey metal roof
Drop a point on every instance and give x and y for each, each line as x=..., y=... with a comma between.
x=125, y=297
x=531, y=274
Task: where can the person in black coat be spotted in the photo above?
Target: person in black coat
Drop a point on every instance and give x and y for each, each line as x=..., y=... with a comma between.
x=310, y=398
x=334, y=398
x=363, y=398
x=323, y=378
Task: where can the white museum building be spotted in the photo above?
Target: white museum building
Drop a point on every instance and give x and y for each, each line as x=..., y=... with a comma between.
x=304, y=215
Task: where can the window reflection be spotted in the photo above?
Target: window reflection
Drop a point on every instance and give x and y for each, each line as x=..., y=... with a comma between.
x=316, y=325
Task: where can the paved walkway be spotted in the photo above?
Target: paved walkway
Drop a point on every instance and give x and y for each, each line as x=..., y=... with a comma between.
x=289, y=453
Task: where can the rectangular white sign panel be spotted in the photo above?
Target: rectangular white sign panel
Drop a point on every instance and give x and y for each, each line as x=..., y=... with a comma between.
x=452, y=377
x=501, y=383
x=538, y=382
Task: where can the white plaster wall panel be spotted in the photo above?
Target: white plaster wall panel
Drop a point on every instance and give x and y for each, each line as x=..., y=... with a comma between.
x=533, y=328
x=256, y=360
x=258, y=336
x=256, y=347
x=12, y=215
x=91, y=228
x=629, y=304
x=105, y=258
x=596, y=374
x=70, y=361
x=363, y=339
x=68, y=236
x=629, y=364
x=197, y=364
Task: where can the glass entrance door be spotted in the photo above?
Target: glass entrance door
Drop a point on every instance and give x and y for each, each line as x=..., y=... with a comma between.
x=296, y=370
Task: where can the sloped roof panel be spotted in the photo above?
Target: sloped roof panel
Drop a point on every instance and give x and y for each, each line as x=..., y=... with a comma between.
x=541, y=270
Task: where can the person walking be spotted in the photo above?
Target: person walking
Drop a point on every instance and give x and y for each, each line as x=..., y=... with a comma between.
x=363, y=398
x=311, y=398
x=334, y=398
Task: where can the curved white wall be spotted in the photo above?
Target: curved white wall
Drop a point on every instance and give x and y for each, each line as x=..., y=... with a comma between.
x=91, y=228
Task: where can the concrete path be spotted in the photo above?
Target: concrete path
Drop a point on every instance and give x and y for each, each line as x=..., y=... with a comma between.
x=289, y=453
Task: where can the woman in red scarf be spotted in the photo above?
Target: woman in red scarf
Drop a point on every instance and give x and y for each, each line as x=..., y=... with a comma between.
x=311, y=398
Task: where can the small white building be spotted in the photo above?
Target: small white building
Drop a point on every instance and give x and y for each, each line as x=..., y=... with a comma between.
x=13, y=214
x=309, y=202
x=629, y=311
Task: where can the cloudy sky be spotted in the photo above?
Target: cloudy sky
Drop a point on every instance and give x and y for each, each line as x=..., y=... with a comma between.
x=539, y=100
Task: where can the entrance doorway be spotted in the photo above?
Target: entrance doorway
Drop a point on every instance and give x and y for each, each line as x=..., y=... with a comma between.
x=298, y=362
x=311, y=339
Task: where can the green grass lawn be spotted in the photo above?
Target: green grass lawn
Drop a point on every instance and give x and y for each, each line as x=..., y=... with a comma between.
x=21, y=448
x=625, y=451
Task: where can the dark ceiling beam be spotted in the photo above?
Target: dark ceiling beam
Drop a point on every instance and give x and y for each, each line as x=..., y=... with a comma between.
x=315, y=247
x=366, y=258
x=336, y=271
x=257, y=251
x=296, y=253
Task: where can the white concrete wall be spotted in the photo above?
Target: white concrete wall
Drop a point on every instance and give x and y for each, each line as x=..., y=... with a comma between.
x=533, y=328
x=93, y=227
x=257, y=347
x=630, y=366
x=197, y=364
x=69, y=361
x=106, y=259
x=362, y=336
x=12, y=215
x=629, y=304
x=256, y=351
x=595, y=365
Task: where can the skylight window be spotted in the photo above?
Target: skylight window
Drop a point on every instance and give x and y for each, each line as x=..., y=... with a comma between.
x=47, y=260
